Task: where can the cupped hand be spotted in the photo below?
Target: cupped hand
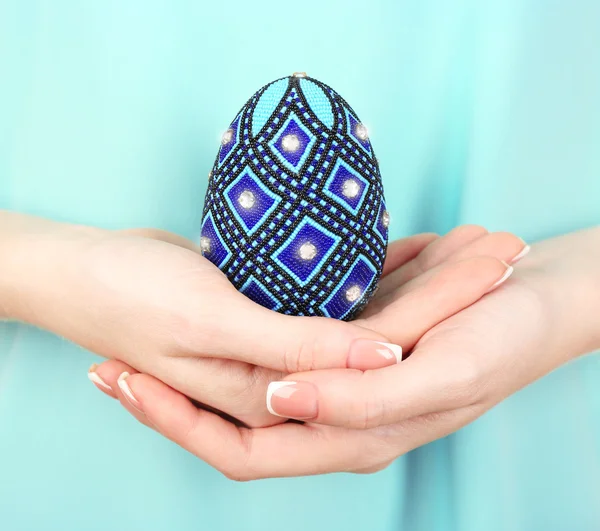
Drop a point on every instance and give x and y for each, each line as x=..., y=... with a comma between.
x=430, y=278
x=361, y=421
x=150, y=299
x=157, y=304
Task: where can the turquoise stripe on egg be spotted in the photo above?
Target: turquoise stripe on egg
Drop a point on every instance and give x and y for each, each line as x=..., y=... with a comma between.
x=317, y=101
x=267, y=103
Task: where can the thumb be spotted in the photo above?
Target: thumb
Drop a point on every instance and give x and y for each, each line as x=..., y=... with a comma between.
x=259, y=336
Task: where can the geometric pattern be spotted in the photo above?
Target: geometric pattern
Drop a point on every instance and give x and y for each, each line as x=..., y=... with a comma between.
x=289, y=258
x=293, y=159
x=334, y=186
x=265, y=201
x=219, y=252
x=294, y=211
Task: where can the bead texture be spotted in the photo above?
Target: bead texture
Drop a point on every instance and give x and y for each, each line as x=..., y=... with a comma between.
x=295, y=214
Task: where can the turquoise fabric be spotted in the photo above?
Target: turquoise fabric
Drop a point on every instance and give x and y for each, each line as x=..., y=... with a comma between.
x=480, y=112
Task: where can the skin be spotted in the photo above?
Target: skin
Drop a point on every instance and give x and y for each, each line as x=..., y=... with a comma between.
x=150, y=300
x=544, y=316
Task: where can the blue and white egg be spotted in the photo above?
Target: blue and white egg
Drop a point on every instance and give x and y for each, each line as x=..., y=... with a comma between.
x=295, y=214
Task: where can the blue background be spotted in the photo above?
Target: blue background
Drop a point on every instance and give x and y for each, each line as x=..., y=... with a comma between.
x=111, y=114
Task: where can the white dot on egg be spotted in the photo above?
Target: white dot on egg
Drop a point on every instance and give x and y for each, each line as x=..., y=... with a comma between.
x=307, y=251
x=227, y=137
x=205, y=244
x=350, y=188
x=385, y=219
x=362, y=132
x=353, y=293
x=290, y=143
x=246, y=199
x=299, y=74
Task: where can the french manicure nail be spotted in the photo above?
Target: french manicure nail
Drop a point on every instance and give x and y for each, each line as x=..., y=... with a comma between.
x=503, y=278
x=95, y=378
x=366, y=354
x=292, y=400
x=124, y=386
x=522, y=253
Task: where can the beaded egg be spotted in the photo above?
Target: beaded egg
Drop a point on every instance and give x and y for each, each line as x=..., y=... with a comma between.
x=295, y=214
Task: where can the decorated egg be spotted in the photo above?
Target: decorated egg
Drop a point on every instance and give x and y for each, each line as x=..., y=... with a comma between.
x=294, y=212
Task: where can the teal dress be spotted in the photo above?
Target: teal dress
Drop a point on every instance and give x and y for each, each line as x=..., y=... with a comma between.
x=480, y=112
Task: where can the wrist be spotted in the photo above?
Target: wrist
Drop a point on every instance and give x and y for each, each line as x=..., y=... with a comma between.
x=565, y=274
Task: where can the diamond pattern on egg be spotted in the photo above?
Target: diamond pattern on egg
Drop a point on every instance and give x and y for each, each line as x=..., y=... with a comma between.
x=295, y=214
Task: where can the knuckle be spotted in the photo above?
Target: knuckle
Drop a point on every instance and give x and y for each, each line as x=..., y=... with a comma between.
x=373, y=414
x=307, y=355
x=292, y=358
x=470, y=231
x=235, y=474
x=240, y=470
x=373, y=410
x=421, y=263
x=509, y=238
x=374, y=468
x=320, y=347
x=302, y=355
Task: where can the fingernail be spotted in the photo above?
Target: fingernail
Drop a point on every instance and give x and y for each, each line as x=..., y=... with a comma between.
x=522, y=253
x=95, y=378
x=292, y=400
x=503, y=278
x=124, y=386
x=366, y=354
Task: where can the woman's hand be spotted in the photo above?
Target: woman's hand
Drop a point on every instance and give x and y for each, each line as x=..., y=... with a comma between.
x=158, y=305
x=149, y=299
x=434, y=278
x=361, y=421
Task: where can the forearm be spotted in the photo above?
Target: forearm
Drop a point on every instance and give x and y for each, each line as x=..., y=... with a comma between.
x=34, y=256
x=570, y=285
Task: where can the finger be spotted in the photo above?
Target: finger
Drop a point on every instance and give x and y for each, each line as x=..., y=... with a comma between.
x=401, y=251
x=432, y=381
x=109, y=372
x=289, y=449
x=243, y=454
x=99, y=382
x=307, y=346
x=502, y=245
x=406, y=315
x=232, y=387
x=245, y=331
x=434, y=254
